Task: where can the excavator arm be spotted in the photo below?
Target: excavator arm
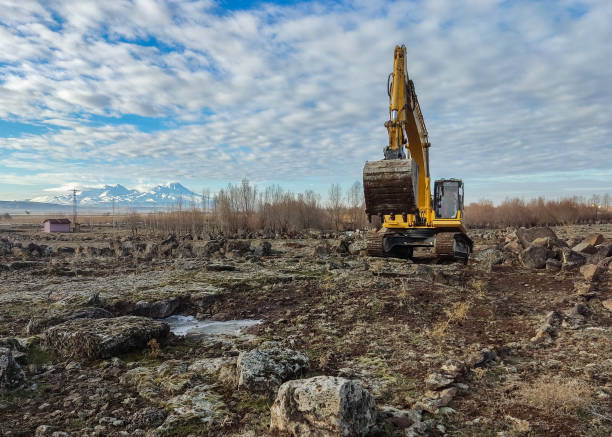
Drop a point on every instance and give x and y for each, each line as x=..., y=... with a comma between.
x=399, y=184
x=406, y=126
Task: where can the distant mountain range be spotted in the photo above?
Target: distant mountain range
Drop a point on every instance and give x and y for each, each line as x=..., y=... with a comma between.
x=161, y=195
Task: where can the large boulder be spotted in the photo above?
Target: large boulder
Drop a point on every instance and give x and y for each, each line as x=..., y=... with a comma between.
x=102, y=338
x=527, y=236
x=323, y=406
x=38, y=324
x=11, y=375
x=239, y=247
x=592, y=272
x=264, y=369
x=585, y=247
x=159, y=309
x=534, y=257
x=5, y=247
x=594, y=239
x=261, y=248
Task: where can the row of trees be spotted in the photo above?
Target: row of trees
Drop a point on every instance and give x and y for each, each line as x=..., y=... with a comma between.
x=539, y=212
x=244, y=207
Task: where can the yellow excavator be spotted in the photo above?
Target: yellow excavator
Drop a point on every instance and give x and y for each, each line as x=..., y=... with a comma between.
x=397, y=188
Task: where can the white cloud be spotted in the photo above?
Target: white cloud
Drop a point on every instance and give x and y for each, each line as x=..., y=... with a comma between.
x=506, y=89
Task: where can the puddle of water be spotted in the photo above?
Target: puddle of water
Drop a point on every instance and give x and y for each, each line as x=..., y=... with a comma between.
x=189, y=325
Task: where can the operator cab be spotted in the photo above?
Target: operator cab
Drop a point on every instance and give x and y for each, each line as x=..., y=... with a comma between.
x=448, y=198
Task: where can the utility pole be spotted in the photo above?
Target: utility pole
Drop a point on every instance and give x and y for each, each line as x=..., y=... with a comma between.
x=113, y=213
x=74, y=209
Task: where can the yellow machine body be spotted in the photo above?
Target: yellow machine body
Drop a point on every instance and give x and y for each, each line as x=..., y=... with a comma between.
x=398, y=188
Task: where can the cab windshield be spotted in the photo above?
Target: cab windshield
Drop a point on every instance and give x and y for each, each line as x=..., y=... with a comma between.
x=448, y=198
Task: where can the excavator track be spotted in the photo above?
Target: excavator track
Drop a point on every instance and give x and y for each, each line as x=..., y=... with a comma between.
x=374, y=243
x=389, y=187
x=444, y=245
x=453, y=245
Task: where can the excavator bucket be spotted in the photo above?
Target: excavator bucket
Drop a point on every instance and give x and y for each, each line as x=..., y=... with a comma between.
x=390, y=186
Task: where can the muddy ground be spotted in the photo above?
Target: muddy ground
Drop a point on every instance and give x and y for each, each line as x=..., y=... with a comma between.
x=388, y=323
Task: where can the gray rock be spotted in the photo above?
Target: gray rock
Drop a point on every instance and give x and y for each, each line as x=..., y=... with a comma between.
x=594, y=239
x=323, y=406
x=551, y=324
x=592, y=272
x=492, y=256
x=534, y=257
x=240, y=247
x=572, y=259
x=481, y=358
x=11, y=375
x=159, y=309
x=321, y=250
x=585, y=247
x=102, y=338
x=553, y=265
x=264, y=369
x=261, y=248
x=527, y=236
x=436, y=381
x=358, y=246
x=148, y=417
x=5, y=247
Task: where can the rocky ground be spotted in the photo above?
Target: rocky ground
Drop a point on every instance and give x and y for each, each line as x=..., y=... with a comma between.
x=517, y=342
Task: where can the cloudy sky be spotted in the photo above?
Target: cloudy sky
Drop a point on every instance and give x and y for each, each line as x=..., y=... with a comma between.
x=516, y=94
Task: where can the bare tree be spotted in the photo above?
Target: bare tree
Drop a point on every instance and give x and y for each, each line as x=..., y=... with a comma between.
x=335, y=205
x=354, y=197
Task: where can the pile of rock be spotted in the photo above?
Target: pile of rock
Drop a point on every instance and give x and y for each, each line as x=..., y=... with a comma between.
x=539, y=248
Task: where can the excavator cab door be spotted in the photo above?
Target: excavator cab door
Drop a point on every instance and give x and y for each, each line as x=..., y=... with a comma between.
x=448, y=198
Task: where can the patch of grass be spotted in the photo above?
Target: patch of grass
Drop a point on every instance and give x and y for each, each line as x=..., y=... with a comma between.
x=75, y=424
x=185, y=428
x=247, y=403
x=14, y=398
x=40, y=356
x=481, y=286
x=456, y=313
x=554, y=394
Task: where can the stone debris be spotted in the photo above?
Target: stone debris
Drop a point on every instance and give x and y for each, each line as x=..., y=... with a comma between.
x=323, y=406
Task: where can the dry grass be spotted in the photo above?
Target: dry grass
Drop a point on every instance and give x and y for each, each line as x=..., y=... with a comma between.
x=554, y=394
x=456, y=313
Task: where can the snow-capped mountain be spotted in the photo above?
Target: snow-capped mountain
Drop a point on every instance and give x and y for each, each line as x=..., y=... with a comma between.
x=160, y=195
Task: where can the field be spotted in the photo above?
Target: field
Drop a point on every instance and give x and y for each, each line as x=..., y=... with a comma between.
x=494, y=347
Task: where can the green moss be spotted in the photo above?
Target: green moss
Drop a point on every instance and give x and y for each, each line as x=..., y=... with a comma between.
x=75, y=424
x=188, y=427
x=247, y=403
x=40, y=356
x=14, y=398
